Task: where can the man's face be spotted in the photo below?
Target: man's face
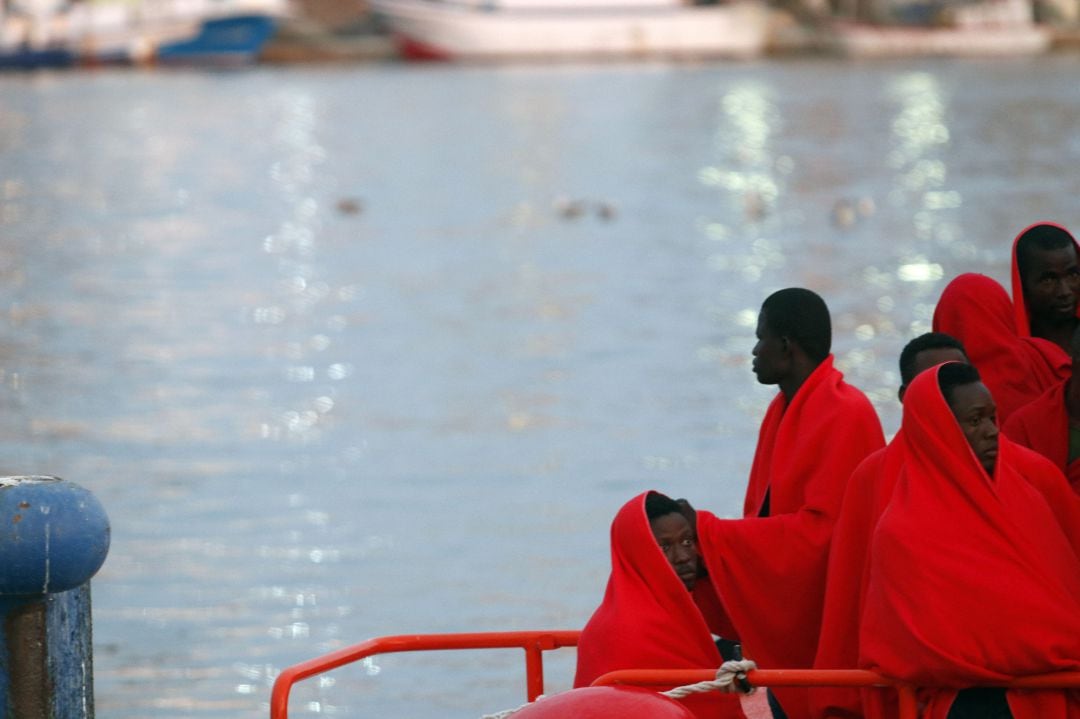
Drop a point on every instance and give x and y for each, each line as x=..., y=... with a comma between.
x=676, y=539
x=772, y=359
x=1051, y=283
x=976, y=413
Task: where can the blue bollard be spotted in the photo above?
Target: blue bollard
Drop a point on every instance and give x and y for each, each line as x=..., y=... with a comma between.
x=54, y=536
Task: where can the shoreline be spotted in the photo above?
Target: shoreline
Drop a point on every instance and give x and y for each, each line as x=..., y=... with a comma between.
x=323, y=32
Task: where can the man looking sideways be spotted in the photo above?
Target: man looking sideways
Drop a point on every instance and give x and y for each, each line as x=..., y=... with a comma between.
x=769, y=567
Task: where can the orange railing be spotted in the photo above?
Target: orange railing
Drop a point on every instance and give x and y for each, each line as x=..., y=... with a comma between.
x=767, y=678
x=818, y=678
x=534, y=643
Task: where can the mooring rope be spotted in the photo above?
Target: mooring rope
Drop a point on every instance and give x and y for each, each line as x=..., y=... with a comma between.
x=730, y=679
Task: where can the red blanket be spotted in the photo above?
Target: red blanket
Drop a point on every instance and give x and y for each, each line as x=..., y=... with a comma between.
x=648, y=620
x=868, y=492
x=1017, y=368
x=973, y=579
x=1043, y=425
x=770, y=571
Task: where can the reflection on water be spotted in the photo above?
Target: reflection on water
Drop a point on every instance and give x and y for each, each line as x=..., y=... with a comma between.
x=381, y=350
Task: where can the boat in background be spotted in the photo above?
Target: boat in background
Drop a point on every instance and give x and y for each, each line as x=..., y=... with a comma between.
x=481, y=30
x=233, y=40
x=61, y=33
x=981, y=29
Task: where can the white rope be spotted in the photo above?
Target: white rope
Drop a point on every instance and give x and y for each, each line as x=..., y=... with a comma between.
x=730, y=679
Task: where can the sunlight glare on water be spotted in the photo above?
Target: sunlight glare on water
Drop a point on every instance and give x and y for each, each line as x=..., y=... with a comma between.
x=361, y=351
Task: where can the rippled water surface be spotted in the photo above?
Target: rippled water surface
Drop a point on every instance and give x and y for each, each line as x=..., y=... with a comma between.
x=362, y=351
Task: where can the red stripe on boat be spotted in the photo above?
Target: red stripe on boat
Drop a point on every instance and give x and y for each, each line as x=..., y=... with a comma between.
x=413, y=49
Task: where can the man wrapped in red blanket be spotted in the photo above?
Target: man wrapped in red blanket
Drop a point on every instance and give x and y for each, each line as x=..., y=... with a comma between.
x=1050, y=423
x=769, y=567
x=1016, y=367
x=868, y=493
x=648, y=618
x=974, y=566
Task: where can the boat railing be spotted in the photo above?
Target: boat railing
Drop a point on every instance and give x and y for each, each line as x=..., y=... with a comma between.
x=535, y=643
x=857, y=678
x=908, y=703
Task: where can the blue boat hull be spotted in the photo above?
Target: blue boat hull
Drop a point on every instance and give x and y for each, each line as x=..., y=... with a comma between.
x=27, y=59
x=232, y=40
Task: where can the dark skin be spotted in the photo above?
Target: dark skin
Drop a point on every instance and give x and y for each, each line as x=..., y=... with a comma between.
x=976, y=414
x=1051, y=282
x=780, y=360
x=690, y=514
x=675, y=535
x=932, y=358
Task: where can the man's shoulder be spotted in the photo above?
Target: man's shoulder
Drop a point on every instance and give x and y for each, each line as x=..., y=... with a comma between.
x=854, y=395
x=846, y=412
x=838, y=406
x=1038, y=470
x=1031, y=463
x=1053, y=398
x=1038, y=420
x=846, y=397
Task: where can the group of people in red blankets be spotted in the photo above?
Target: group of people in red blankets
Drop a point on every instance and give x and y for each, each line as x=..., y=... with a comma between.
x=948, y=558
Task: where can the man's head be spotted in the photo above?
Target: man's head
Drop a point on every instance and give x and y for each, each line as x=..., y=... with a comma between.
x=974, y=409
x=926, y=351
x=793, y=328
x=1047, y=264
x=675, y=536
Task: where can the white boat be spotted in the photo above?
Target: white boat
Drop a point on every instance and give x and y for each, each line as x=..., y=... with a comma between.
x=574, y=29
x=869, y=41
x=988, y=28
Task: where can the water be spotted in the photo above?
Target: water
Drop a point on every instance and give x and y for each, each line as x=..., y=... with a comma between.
x=341, y=359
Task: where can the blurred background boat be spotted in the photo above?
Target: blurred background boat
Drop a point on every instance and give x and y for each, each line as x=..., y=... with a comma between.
x=985, y=28
x=229, y=40
x=58, y=33
x=54, y=33
x=554, y=29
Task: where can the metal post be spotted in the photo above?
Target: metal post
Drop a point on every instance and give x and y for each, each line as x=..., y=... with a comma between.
x=54, y=536
x=534, y=671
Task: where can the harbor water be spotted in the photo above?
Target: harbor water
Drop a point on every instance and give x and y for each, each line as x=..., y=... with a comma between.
x=355, y=351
